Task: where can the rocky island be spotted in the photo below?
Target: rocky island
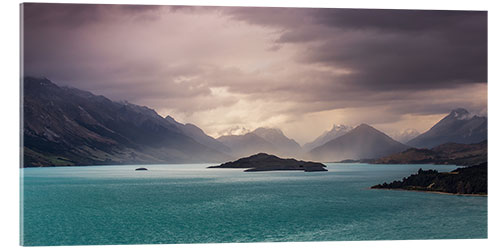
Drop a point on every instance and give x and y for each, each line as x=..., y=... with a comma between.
x=467, y=180
x=266, y=162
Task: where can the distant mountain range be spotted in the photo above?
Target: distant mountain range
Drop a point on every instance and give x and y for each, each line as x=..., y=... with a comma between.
x=336, y=131
x=285, y=145
x=459, y=127
x=362, y=142
x=247, y=144
x=67, y=126
x=448, y=153
x=269, y=140
x=198, y=135
x=405, y=135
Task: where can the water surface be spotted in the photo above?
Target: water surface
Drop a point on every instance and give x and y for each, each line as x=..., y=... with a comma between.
x=191, y=204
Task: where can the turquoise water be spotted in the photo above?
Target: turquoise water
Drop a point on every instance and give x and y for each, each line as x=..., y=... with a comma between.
x=192, y=204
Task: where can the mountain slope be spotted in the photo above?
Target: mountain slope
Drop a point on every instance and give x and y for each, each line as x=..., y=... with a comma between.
x=459, y=127
x=284, y=145
x=67, y=126
x=261, y=140
x=405, y=136
x=198, y=135
x=335, y=132
x=362, y=142
x=448, y=153
x=247, y=144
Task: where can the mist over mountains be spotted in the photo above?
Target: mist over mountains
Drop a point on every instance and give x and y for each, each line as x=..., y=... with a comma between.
x=270, y=140
x=247, y=144
x=362, y=142
x=405, y=135
x=336, y=131
x=67, y=126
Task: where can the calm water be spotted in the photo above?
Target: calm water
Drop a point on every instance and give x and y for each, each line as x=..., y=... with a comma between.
x=192, y=204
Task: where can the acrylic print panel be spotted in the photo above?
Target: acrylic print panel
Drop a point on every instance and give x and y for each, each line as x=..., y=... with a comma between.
x=186, y=124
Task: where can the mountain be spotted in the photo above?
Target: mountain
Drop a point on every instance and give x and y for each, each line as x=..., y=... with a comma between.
x=269, y=140
x=198, y=135
x=284, y=145
x=336, y=131
x=67, y=126
x=459, y=126
x=247, y=144
x=405, y=135
x=362, y=142
x=265, y=162
x=448, y=153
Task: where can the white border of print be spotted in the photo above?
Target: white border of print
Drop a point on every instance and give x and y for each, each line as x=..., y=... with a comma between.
x=9, y=132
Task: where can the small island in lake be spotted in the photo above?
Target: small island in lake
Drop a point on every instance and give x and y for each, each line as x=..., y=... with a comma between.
x=467, y=180
x=266, y=162
x=141, y=169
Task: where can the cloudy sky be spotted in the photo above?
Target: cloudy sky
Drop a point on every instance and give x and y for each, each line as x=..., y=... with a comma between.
x=233, y=69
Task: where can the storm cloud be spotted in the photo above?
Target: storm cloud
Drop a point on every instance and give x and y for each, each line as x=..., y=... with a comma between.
x=238, y=68
x=388, y=49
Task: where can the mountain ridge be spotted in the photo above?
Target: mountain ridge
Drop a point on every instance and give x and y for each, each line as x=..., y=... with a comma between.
x=459, y=126
x=447, y=154
x=362, y=142
x=247, y=144
x=405, y=136
x=269, y=140
x=336, y=131
x=66, y=126
x=69, y=126
x=285, y=145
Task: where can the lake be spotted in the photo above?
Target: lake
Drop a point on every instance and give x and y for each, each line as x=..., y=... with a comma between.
x=188, y=203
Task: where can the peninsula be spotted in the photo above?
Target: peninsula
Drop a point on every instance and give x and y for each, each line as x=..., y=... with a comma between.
x=266, y=162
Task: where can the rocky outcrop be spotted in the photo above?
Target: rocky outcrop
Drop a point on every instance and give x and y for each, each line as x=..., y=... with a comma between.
x=468, y=180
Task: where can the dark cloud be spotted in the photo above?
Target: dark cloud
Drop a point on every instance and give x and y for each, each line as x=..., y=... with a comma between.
x=76, y=15
x=251, y=66
x=401, y=61
x=396, y=20
x=386, y=49
x=271, y=16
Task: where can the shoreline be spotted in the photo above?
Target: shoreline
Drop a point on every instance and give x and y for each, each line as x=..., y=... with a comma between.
x=434, y=192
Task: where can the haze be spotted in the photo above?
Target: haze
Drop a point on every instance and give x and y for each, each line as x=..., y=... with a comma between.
x=233, y=69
